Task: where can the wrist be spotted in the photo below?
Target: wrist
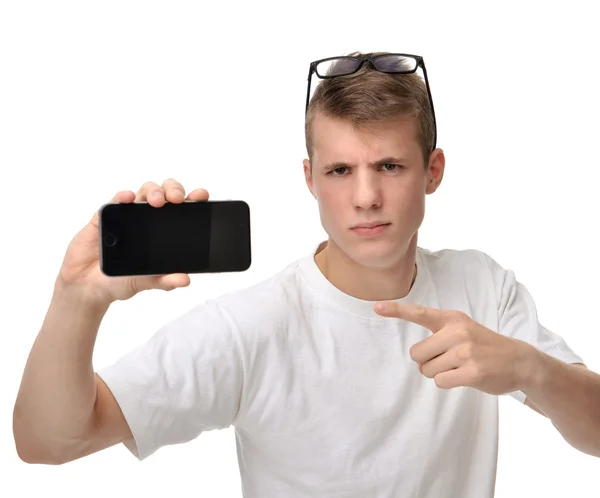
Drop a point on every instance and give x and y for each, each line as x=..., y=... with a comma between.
x=80, y=297
x=532, y=371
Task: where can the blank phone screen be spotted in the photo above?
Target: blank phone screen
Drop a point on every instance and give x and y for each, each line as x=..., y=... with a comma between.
x=191, y=237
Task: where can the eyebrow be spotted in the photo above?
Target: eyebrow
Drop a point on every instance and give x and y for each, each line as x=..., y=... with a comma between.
x=379, y=162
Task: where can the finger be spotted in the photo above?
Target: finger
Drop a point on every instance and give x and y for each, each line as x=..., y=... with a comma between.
x=173, y=281
x=199, y=194
x=430, y=318
x=151, y=193
x=442, y=363
x=124, y=197
x=163, y=282
x=451, y=378
x=174, y=191
x=435, y=345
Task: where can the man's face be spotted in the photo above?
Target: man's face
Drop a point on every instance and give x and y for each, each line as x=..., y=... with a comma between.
x=365, y=177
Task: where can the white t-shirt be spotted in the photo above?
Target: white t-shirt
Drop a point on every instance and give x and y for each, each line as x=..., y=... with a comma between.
x=322, y=392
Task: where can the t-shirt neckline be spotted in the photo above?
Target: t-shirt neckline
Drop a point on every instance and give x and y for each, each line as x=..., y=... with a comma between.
x=319, y=283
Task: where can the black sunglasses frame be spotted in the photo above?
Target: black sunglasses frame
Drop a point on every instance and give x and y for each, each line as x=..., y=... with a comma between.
x=419, y=63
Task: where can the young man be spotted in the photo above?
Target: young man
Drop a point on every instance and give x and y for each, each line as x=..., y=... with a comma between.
x=330, y=395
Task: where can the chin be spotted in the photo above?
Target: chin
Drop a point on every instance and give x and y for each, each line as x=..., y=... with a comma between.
x=380, y=254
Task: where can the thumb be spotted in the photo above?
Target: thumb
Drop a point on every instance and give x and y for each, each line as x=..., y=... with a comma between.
x=173, y=281
x=162, y=282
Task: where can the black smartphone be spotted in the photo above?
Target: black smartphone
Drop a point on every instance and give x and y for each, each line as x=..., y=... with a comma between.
x=190, y=237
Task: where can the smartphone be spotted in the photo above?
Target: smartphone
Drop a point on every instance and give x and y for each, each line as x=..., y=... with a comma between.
x=138, y=239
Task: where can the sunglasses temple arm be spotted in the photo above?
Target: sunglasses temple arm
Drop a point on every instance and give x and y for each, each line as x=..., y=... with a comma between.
x=308, y=90
x=430, y=103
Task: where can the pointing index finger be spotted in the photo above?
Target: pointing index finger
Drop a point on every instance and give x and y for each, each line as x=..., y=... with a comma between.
x=430, y=318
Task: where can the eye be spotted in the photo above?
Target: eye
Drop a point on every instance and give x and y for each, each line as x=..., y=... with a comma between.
x=391, y=167
x=338, y=171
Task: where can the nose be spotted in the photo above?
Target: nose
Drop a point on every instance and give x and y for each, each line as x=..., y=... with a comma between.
x=366, y=190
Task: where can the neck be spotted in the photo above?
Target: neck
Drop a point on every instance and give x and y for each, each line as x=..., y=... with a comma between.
x=366, y=283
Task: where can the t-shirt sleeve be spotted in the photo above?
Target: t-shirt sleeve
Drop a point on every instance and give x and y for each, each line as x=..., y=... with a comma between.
x=186, y=379
x=518, y=318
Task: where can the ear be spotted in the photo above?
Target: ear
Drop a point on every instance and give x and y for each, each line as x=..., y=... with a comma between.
x=308, y=176
x=435, y=173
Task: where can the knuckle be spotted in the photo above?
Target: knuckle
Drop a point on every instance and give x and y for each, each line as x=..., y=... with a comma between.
x=173, y=187
x=477, y=373
x=456, y=332
x=174, y=183
x=420, y=310
x=134, y=288
x=465, y=334
x=465, y=351
x=457, y=316
x=171, y=183
x=147, y=188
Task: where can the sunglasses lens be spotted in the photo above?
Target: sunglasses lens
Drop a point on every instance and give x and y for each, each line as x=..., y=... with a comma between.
x=395, y=64
x=336, y=67
x=385, y=63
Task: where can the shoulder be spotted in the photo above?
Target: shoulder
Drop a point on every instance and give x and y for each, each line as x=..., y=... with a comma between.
x=235, y=318
x=459, y=260
x=472, y=269
x=224, y=326
x=265, y=303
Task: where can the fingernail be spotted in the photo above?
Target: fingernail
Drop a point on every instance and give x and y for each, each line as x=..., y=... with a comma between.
x=380, y=307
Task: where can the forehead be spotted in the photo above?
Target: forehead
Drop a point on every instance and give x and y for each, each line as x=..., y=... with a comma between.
x=337, y=139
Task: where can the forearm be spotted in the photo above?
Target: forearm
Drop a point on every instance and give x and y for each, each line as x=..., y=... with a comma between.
x=569, y=396
x=54, y=406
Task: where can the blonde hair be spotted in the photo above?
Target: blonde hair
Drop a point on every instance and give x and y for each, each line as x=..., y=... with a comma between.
x=371, y=97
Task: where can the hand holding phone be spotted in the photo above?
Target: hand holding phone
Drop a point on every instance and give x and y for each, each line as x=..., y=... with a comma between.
x=188, y=237
x=81, y=265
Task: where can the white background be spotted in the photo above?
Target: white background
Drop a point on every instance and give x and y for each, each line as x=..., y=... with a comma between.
x=97, y=97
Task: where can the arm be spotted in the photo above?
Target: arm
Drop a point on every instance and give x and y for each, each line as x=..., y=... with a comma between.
x=569, y=395
x=63, y=409
x=528, y=401
x=556, y=383
x=463, y=352
x=62, y=412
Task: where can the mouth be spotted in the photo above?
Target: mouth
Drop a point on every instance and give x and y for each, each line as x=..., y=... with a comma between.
x=370, y=229
x=370, y=225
